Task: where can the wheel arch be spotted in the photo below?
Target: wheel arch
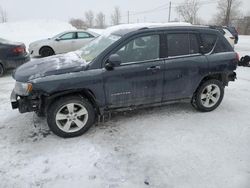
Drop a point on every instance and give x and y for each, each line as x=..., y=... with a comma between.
x=3, y=66
x=222, y=77
x=84, y=93
x=45, y=46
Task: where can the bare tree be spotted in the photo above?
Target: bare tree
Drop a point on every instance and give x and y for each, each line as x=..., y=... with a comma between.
x=116, y=16
x=3, y=15
x=78, y=23
x=89, y=18
x=228, y=10
x=100, y=20
x=189, y=11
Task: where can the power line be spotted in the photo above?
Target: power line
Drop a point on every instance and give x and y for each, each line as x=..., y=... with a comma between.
x=164, y=7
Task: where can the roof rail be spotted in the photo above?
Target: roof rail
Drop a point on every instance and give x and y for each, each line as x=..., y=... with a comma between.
x=143, y=28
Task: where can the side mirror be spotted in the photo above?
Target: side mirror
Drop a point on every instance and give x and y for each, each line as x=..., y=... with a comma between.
x=113, y=61
x=57, y=39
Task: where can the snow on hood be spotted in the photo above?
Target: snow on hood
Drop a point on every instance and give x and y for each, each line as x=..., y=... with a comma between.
x=54, y=65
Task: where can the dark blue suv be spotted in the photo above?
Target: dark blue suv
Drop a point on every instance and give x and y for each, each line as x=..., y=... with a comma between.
x=128, y=67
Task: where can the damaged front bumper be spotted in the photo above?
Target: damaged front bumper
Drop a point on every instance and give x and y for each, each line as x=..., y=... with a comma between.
x=24, y=104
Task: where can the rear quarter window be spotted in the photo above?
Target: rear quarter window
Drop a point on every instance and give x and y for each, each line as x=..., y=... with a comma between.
x=221, y=46
x=208, y=42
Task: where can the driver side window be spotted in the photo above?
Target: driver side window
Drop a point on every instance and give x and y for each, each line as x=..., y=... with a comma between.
x=140, y=49
x=68, y=36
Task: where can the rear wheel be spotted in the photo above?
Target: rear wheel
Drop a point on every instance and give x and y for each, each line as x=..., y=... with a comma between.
x=46, y=51
x=70, y=116
x=1, y=70
x=208, y=96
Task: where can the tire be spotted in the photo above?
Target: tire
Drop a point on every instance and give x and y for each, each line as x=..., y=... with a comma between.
x=46, y=51
x=208, y=96
x=1, y=70
x=70, y=116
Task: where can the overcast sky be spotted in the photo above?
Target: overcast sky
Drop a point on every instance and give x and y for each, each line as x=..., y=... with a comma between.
x=66, y=9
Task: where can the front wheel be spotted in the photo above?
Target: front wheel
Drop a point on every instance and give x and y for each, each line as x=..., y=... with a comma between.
x=70, y=116
x=208, y=96
x=46, y=51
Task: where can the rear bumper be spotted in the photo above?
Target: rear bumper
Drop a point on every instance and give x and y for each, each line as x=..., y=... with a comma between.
x=13, y=100
x=23, y=104
x=15, y=62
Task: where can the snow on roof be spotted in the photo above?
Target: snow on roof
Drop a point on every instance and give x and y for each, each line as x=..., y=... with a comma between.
x=117, y=28
x=97, y=31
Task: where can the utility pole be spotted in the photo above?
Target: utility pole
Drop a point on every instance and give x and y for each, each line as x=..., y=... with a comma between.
x=128, y=17
x=169, y=12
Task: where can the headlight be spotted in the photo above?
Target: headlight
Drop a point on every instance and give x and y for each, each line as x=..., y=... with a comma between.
x=23, y=89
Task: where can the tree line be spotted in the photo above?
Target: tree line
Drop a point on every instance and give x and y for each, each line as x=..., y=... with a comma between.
x=92, y=20
x=3, y=15
x=227, y=11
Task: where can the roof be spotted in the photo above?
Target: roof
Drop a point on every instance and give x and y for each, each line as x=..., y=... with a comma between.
x=127, y=28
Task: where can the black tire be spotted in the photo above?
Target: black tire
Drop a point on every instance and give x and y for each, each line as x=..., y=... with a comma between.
x=1, y=70
x=59, y=106
x=46, y=51
x=208, y=103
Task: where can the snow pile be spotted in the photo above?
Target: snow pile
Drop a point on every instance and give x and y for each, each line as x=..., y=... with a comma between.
x=243, y=47
x=98, y=31
x=32, y=30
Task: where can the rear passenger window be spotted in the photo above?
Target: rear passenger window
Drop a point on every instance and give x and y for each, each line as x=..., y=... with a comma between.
x=83, y=35
x=221, y=46
x=182, y=44
x=178, y=44
x=208, y=42
x=194, y=44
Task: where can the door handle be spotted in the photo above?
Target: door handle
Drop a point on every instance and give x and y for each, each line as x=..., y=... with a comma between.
x=154, y=68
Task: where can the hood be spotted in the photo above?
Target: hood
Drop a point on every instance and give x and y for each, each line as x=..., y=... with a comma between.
x=39, y=42
x=54, y=65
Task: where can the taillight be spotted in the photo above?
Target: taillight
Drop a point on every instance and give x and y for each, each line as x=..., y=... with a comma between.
x=237, y=57
x=19, y=50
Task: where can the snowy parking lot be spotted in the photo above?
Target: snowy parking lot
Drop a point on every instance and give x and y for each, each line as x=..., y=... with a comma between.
x=172, y=146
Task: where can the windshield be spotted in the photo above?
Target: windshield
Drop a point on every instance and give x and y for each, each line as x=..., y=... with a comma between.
x=97, y=46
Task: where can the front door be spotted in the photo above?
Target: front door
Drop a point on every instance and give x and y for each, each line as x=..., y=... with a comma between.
x=139, y=79
x=65, y=43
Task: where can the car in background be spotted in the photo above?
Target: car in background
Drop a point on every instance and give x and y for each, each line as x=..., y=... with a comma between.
x=12, y=55
x=234, y=32
x=62, y=43
x=227, y=34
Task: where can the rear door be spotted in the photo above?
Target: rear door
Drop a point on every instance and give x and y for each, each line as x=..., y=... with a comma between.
x=139, y=79
x=184, y=66
x=82, y=39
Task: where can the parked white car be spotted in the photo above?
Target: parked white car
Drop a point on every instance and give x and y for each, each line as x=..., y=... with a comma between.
x=228, y=35
x=62, y=43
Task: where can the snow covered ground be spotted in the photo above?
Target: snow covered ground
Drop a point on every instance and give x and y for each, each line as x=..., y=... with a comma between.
x=172, y=146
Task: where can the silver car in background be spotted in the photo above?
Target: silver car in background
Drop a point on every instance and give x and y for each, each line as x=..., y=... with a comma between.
x=62, y=43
